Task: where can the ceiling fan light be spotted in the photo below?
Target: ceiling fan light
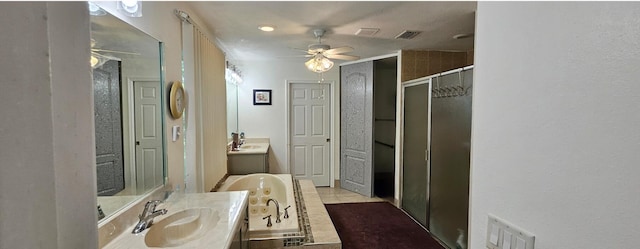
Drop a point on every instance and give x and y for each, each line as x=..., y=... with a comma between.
x=267, y=28
x=326, y=64
x=94, y=61
x=319, y=64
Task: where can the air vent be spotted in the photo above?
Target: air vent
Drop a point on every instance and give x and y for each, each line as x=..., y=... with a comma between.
x=408, y=34
x=367, y=31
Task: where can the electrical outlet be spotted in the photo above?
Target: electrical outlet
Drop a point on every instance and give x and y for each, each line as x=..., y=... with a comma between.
x=504, y=235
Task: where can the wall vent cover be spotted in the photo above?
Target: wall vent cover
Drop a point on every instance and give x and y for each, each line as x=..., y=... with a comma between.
x=367, y=31
x=408, y=34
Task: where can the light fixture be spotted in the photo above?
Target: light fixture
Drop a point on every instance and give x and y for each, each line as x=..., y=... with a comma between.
x=319, y=64
x=97, y=60
x=232, y=74
x=95, y=10
x=267, y=28
x=132, y=8
x=94, y=61
x=462, y=36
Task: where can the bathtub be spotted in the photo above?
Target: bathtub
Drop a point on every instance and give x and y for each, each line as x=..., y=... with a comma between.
x=263, y=187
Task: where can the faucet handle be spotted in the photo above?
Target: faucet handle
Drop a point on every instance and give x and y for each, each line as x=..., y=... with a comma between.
x=269, y=224
x=153, y=203
x=286, y=212
x=149, y=208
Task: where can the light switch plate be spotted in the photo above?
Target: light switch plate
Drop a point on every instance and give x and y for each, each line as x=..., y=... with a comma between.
x=518, y=235
x=493, y=234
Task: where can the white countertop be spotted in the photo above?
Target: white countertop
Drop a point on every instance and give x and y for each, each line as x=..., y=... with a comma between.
x=228, y=204
x=251, y=148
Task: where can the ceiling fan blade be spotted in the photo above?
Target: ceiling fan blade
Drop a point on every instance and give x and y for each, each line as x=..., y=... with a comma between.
x=339, y=50
x=343, y=57
x=302, y=50
x=114, y=51
x=296, y=56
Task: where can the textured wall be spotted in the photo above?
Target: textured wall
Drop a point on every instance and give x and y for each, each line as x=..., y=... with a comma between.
x=47, y=176
x=555, y=136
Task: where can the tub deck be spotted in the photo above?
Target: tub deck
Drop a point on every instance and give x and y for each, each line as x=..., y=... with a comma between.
x=323, y=232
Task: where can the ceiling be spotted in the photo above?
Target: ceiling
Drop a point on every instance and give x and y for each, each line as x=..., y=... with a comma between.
x=235, y=26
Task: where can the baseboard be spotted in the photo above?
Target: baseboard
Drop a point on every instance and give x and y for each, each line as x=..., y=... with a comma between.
x=336, y=184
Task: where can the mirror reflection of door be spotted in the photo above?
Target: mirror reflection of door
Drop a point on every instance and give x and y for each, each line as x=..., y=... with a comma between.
x=108, y=128
x=148, y=134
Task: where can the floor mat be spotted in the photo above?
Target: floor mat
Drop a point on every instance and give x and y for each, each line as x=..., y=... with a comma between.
x=378, y=225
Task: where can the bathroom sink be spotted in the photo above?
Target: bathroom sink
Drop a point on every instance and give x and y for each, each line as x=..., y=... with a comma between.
x=249, y=147
x=181, y=227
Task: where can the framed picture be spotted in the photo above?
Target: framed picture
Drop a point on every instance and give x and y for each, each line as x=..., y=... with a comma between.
x=261, y=97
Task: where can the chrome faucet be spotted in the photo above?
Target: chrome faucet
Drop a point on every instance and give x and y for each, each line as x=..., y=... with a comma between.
x=146, y=218
x=277, y=209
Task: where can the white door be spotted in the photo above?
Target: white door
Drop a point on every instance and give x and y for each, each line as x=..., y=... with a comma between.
x=309, y=132
x=147, y=108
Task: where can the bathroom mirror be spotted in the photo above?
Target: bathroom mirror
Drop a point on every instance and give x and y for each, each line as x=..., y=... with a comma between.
x=129, y=111
x=232, y=108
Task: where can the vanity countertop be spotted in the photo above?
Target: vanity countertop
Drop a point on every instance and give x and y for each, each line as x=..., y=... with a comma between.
x=251, y=148
x=228, y=204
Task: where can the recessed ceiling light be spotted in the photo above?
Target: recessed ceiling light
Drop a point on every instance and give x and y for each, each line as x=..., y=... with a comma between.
x=267, y=28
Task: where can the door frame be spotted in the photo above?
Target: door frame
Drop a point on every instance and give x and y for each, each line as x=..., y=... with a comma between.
x=333, y=120
x=419, y=81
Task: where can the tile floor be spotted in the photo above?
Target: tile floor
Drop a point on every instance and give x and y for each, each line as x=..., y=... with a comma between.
x=337, y=195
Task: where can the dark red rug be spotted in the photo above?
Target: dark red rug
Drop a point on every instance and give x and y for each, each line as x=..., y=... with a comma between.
x=378, y=225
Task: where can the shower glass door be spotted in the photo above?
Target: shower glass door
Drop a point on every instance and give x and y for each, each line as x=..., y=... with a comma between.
x=415, y=164
x=450, y=155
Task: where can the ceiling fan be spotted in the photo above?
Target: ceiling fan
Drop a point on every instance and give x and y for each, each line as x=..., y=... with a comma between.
x=100, y=56
x=321, y=53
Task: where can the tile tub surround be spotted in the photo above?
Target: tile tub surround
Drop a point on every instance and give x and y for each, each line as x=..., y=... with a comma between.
x=228, y=204
x=322, y=229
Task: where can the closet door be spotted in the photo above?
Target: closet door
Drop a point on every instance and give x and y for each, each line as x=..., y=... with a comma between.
x=450, y=155
x=356, y=128
x=414, y=155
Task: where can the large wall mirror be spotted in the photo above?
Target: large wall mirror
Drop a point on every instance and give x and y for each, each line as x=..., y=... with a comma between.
x=232, y=108
x=129, y=111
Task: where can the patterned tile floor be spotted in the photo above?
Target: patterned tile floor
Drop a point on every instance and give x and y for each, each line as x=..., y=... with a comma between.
x=338, y=195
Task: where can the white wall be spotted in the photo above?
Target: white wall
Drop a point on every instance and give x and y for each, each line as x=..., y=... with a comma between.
x=47, y=171
x=555, y=144
x=271, y=121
